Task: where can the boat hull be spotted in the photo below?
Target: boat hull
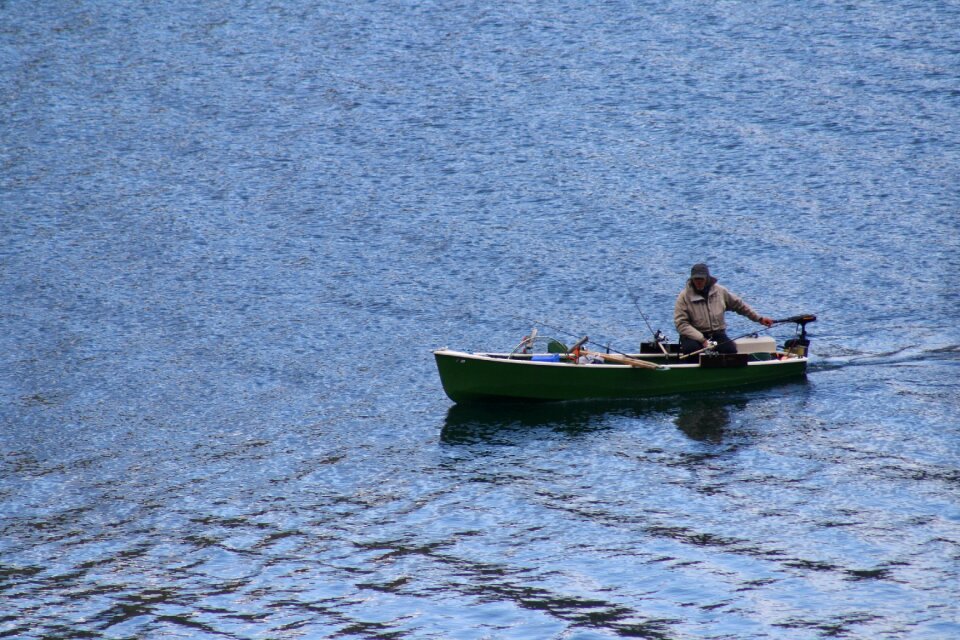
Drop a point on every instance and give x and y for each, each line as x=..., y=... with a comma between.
x=472, y=378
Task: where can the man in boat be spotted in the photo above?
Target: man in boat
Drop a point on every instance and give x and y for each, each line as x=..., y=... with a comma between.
x=699, y=311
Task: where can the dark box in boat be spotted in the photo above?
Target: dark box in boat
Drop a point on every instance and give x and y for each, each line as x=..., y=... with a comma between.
x=723, y=360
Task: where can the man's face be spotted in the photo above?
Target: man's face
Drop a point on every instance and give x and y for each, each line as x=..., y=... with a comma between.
x=699, y=283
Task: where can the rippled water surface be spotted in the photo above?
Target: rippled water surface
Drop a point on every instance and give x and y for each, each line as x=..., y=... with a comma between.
x=232, y=232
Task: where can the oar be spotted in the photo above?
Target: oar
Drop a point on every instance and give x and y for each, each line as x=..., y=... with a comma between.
x=575, y=349
x=633, y=362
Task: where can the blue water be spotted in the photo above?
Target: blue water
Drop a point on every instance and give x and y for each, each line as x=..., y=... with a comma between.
x=232, y=233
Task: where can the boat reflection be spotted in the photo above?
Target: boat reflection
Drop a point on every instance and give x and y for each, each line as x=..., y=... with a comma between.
x=705, y=418
x=465, y=424
x=701, y=419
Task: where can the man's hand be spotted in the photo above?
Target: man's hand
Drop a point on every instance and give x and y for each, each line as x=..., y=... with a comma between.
x=767, y=322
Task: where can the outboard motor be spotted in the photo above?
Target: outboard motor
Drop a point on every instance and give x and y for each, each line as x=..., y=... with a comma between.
x=800, y=344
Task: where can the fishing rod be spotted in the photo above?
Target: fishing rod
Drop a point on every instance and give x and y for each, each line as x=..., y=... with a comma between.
x=658, y=336
x=644, y=316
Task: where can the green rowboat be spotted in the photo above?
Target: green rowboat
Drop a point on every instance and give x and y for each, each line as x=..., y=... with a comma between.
x=575, y=374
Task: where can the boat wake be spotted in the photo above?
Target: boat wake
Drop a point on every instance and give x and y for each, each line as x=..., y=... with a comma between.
x=909, y=355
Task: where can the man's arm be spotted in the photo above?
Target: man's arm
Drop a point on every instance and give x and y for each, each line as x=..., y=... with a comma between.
x=737, y=304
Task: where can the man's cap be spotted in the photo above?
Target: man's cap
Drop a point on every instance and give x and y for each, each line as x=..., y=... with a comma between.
x=700, y=270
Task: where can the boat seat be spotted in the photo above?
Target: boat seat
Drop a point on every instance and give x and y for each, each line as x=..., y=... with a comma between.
x=764, y=344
